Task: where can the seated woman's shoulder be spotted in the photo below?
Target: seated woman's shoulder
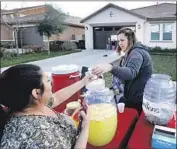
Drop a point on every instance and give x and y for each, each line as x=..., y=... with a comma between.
x=33, y=131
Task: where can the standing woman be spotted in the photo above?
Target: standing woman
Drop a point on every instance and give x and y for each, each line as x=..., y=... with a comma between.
x=132, y=71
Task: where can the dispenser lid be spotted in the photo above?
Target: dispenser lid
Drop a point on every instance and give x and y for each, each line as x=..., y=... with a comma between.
x=98, y=84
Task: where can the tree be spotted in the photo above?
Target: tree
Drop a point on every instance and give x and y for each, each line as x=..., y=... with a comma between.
x=14, y=29
x=53, y=23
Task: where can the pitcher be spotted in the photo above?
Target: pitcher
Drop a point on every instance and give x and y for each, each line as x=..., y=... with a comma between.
x=103, y=115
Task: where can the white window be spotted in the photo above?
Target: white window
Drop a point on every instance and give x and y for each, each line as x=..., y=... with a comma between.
x=161, y=32
x=155, y=31
x=167, y=31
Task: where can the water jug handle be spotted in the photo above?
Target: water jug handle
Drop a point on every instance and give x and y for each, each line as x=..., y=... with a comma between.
x=75, y=76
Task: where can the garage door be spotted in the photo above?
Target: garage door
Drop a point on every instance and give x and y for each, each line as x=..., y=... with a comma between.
x=101, y=35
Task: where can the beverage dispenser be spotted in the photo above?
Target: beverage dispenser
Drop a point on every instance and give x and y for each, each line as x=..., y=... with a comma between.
x=103, y=113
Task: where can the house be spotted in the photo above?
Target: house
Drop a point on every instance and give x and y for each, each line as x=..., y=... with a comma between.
x=6, y=30
x=154, y=25
x=26, y=20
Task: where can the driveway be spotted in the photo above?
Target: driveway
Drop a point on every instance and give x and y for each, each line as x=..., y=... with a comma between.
x=85, y=58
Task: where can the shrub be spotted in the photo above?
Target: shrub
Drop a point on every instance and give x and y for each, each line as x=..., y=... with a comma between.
x=56, y=45
x=27, y=49
x=81, y=44
x=7, y=44
x=2, y=52
x=77, y=44
x=68, y=45
x=32, y=48
x=5, y=54
x=158, y=49
x=8, y=55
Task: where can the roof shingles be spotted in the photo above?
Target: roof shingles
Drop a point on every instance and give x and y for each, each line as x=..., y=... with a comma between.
x=164, y=10
x=72, y=20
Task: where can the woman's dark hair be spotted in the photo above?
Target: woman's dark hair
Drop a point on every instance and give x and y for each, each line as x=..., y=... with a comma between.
x=16, y=85
x=130, y=36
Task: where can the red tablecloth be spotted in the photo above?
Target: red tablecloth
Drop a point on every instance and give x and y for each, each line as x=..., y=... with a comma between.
x=142, y=134
x=126, y=123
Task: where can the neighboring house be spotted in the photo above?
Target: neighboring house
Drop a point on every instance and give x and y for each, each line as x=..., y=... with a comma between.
x=6, y=31
x=74, y=31
x=154, y=25
x=26, y=19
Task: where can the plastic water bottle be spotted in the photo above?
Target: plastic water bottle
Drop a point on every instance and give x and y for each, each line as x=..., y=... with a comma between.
x=159, y=99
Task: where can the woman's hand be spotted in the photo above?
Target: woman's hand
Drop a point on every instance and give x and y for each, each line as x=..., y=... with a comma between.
x=83, y=136
x=101, y=68
x=87, y=79
x=86, y=118
x=83, y=111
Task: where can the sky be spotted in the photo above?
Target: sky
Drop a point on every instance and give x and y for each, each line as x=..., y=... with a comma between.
x=78, y=8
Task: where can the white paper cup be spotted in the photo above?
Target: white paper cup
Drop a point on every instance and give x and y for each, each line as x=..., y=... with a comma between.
x=121, y=107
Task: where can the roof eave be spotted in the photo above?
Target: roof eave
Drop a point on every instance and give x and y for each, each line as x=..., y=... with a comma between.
x=162, y=19
x=111, y=5
x=36, y=22
x=74, y=25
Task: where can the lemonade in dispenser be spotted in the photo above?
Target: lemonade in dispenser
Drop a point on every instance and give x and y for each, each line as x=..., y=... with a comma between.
x=103, y=113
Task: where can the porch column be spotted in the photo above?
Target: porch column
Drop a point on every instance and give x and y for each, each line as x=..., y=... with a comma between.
x=140, y=31
x=88, y=37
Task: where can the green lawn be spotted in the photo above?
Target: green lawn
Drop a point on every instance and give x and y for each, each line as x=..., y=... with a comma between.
x=161, y=64
x=33, y=57
x=165, y=64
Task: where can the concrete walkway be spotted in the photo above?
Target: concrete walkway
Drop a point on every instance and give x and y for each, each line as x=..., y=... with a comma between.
x=85, y=58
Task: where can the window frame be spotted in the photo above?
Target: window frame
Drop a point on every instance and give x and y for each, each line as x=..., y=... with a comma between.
x=154, y=32
x=161, y=32
x=163, y=25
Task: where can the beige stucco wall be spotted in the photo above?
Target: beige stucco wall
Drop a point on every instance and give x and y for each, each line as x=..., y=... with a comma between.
x=6, y=33
x=68, y=32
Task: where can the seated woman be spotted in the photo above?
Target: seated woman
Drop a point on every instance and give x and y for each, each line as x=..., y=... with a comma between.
x=29, y=123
